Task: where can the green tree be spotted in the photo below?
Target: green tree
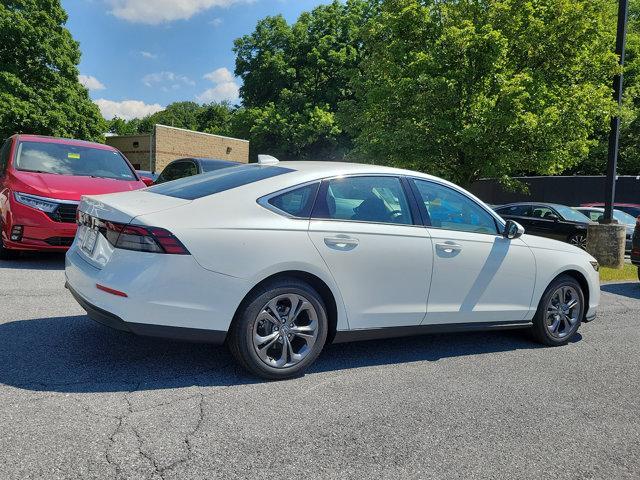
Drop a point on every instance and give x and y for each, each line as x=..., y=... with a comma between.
x=294, y=78
x=39, y=88
x=473, y=88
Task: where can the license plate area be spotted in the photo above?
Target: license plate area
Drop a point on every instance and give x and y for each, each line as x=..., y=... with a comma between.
x=89, y=240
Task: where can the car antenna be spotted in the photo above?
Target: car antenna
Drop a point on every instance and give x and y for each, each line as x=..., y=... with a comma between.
x=267, y=160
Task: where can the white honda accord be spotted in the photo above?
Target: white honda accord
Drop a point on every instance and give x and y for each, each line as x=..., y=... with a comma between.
x=277, y=259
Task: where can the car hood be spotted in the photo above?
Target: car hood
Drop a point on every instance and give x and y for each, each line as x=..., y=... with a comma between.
x=70, y=187
x=543, y=243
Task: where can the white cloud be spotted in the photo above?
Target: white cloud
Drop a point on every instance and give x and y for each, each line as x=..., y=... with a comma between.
x=164, y=78
x=150, y=55
x=154, y=12
x=216, y=22
x=127, y=109
x=91, y=83
x=225, y=87
x=221, y=75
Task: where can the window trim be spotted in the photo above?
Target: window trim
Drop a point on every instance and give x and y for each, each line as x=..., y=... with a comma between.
x=264, y=200
x=427, y=220
x=415, y=220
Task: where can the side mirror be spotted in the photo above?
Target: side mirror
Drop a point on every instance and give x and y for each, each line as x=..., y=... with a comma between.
x=512, y=230
x=147, y=181
x=553, y=217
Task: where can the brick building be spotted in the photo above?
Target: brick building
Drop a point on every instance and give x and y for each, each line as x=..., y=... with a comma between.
x=155, y=151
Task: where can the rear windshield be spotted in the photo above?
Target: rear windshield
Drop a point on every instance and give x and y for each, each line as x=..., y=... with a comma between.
x=83, y=161
x=206, y=184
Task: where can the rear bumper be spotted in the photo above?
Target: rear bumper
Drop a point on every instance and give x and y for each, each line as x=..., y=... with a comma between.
x=159, y=331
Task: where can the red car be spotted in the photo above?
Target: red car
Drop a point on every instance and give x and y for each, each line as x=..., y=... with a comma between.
x=41, y=182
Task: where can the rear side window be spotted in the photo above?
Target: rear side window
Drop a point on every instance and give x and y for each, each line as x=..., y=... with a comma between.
x=178, y=170
x=298, y=202
x=199, y=186
x=516, y=210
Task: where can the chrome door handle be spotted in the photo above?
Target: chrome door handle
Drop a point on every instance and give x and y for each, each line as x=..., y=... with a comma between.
x=449, y=247
x=341, y=243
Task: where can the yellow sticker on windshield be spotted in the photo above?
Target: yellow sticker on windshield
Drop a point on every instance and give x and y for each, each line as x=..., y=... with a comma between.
x=73, y=155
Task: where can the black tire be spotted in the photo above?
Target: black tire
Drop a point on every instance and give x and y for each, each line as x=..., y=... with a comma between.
x=540, y=328
x=241, y=333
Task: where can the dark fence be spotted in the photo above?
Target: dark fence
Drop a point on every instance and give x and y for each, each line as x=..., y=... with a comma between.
x=572, y=191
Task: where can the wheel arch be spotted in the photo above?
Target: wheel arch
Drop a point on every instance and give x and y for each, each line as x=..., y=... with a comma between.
x=584, y=284
x=319, y=285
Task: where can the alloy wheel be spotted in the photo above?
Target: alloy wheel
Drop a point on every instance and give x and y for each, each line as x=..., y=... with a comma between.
x=579, y=241
x=285, y=330
x=563, y=311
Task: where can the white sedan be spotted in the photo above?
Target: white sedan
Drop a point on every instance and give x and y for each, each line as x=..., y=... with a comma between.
x=277, y=259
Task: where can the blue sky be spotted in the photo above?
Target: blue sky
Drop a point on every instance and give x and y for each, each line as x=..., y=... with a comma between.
x=140, y=55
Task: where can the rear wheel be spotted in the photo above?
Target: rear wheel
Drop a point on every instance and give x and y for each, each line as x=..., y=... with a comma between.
x=560, y=312
x=579, y=240
x=280, y=329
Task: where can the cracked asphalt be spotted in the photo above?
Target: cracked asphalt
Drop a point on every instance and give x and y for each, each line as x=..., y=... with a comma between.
x=78, y=400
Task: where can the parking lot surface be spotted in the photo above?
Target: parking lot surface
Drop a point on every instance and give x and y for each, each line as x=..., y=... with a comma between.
x=78, y=400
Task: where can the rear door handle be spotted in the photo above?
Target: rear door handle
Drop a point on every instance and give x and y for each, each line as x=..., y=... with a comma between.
x=341, y=242
x=449, y=247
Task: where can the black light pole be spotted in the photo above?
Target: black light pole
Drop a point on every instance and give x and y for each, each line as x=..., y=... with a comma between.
x=614, y=135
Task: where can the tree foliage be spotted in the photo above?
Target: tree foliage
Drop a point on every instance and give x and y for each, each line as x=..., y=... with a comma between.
x=210, y=118
x=295, y=77
x=39, y=88
x=477, y=88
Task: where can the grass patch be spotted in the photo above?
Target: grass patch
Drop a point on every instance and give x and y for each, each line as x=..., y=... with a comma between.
x=629, y=272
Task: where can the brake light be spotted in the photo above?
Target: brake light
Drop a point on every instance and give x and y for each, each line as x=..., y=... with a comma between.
x=143, y=239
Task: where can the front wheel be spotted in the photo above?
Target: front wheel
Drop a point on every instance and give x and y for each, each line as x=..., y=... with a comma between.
x=560, y=312
x=280, y=329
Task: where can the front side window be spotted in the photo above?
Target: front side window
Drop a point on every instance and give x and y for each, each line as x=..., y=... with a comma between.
x=76, y=160
x=364, y=199
x=572, y=215
x=178, y=170
x=450, y=210
x=298, y=202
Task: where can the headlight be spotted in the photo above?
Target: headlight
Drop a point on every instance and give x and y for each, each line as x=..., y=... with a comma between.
x=33, y=201
x=595, y=265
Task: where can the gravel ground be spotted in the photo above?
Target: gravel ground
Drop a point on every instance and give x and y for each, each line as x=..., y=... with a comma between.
x=78, y=400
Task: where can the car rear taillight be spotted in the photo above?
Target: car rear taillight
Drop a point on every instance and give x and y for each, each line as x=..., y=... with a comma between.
x=143, y=239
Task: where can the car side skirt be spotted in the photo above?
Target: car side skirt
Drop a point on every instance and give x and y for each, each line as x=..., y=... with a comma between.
x=108, y=319
x=343, y=336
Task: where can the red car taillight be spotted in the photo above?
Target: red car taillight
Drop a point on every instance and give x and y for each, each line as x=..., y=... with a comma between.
x=143, y=239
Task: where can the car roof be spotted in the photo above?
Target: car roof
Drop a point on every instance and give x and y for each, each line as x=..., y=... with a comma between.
x=62, y=141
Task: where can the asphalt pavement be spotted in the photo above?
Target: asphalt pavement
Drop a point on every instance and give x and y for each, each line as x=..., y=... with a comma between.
x=78, y=400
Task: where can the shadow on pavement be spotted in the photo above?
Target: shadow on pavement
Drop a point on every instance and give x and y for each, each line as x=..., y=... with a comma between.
x=73, y=354
x=35, y=261
x=631, y=289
